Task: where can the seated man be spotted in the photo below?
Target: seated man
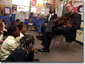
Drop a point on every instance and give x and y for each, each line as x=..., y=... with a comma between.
x=9, y=43
x=67, y=29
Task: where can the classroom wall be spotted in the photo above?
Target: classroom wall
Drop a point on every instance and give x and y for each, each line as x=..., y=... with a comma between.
x=6, y=2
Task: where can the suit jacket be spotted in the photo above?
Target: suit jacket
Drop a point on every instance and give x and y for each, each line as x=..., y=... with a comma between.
x=76, y=22
x=52, y=18
x=75, y=25
x=50, y=23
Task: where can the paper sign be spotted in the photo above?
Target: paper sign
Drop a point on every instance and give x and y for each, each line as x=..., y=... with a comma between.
x=30, y=24
x=7, y=10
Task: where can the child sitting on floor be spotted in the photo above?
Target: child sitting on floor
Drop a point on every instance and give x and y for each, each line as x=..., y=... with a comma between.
x=24, y=52
x=22, y=29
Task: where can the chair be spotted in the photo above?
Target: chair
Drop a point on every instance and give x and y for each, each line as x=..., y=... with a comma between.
x=60, y=39
x=68, y=43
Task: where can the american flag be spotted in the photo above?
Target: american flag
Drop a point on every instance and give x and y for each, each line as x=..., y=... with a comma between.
x=53, y=3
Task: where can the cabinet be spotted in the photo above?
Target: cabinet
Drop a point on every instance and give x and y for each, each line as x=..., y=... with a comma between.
x=80, y=36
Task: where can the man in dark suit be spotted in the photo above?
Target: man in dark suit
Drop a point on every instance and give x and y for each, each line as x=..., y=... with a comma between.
x=68, y=30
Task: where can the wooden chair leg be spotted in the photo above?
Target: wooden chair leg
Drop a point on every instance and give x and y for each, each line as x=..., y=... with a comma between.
x=68, y=44
x=61, y=40
x=54, y=41
x=74, y=43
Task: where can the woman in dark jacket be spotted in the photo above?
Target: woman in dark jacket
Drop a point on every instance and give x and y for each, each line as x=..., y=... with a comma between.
x=24, y=52
x=50, y=17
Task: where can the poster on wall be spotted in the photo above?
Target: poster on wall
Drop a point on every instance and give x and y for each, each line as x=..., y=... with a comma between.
x=14, y=9
x=7, y=10
x=21, y=16
x=40, y=3
x=34, y=2
x=81, y=11
x=60, y=8
x=26, y=15
x=21, y=2
x=47, y=11
x=48, y=5
x=79, y=8
x=22, y=8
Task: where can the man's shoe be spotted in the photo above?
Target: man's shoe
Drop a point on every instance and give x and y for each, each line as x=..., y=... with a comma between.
x=43, y=50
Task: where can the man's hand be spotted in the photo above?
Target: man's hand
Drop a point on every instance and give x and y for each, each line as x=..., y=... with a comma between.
x=46, y=24
x=68, y=25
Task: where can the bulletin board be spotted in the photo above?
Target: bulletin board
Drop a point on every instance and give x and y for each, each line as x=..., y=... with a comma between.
x=7, y=10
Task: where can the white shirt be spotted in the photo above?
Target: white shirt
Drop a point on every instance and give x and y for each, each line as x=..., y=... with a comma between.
x=1, y=37
x=7, y=47
x=18, y=38
x=30, y=24
x=50, y=15
x=4, y=29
